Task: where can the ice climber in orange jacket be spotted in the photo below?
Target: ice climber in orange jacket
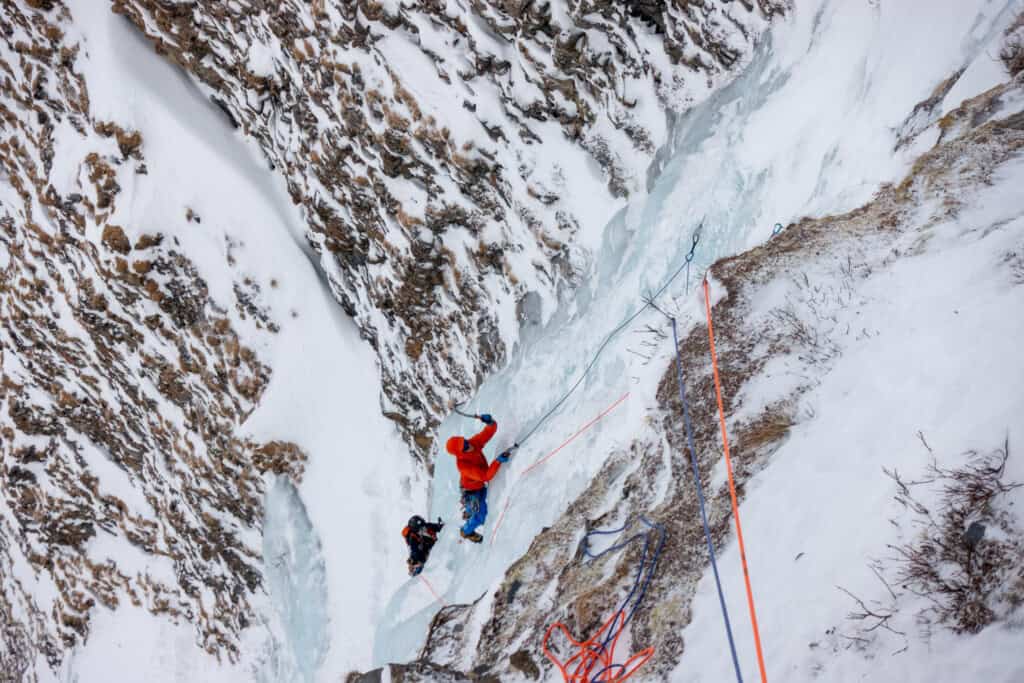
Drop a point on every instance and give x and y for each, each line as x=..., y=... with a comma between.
x=474, y=473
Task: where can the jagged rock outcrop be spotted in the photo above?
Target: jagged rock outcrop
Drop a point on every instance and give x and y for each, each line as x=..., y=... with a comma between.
x=554, y=582
x=429, y=145
x=417, y=672
x=122, y=384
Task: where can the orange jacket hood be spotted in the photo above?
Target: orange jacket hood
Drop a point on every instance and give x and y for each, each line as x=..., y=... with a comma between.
x=474, y=472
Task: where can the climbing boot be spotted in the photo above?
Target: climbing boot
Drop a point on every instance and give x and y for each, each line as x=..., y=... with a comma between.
x=474, y=537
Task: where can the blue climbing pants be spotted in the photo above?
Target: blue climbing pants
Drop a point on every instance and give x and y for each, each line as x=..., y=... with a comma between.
x=474, y=509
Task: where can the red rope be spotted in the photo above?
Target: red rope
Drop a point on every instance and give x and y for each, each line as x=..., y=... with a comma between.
x=550, y=455
x=732, y=486
x=430, y=588
x=497, y=525
x=573, y=437
x=592, y=653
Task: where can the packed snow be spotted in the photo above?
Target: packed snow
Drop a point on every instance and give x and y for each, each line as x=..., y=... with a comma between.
x=936, y=368
x=337, y=531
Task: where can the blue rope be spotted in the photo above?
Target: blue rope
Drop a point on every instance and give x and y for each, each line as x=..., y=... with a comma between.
x=639, y=583
x=700, y=498
x=695, y=240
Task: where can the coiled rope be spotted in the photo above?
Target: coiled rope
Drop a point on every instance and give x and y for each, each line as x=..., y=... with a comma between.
x=599, y=649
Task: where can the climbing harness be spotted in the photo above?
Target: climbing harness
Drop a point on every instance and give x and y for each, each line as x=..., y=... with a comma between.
x=598, y=652
x=732, y=485
x=700, y=500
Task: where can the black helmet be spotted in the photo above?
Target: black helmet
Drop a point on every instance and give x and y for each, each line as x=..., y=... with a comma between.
x=416, y=523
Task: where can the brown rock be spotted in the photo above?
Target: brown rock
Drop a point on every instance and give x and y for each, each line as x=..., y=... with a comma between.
x=522, y=661
x=115, y=239
x=147, y=241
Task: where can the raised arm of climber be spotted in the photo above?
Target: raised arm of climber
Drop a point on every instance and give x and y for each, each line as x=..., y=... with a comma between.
x=474, y=473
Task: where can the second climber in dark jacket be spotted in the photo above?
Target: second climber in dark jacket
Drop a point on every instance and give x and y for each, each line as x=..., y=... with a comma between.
x=474, y=473
x=420, y=535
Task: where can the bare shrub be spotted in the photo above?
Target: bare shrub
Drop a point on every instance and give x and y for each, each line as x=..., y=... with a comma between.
x=809, y=319
x=969, y=548
x=1012, y=56
x=815, y=344
x=1015, y=261
x=770, y=427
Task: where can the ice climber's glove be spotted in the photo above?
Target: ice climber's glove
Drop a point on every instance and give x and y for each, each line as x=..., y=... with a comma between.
x=486, y=418
x=505, y=455
x=440, y=522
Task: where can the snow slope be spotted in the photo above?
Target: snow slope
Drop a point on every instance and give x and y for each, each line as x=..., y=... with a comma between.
x=940, y=359
x=323, y=394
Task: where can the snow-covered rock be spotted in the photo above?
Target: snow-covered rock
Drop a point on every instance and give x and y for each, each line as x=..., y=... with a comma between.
x=124, y=477
x=452, y=159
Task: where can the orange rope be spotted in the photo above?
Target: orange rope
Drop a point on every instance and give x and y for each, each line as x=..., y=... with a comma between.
x=497, y=525
x=732, y=486
x=590, y=653
x=573, y=437
x=550, y=455
x=430, y=588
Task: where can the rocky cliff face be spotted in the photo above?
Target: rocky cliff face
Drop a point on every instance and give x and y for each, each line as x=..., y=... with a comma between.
x=452, y=162
x=444, y=154
x=122, y=384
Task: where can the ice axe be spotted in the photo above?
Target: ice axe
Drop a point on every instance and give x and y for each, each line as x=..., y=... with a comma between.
x=508, y=451
x=463, y=414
